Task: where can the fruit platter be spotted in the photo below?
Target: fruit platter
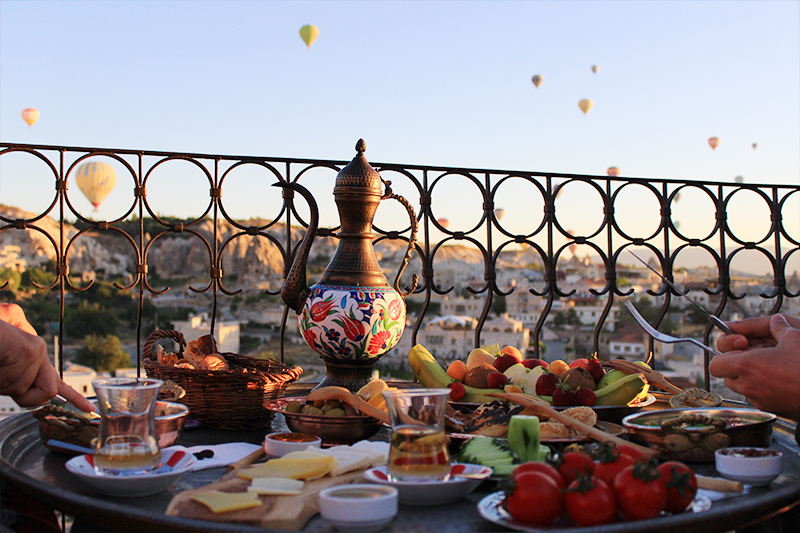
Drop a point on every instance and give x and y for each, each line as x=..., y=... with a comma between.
x=612, y=393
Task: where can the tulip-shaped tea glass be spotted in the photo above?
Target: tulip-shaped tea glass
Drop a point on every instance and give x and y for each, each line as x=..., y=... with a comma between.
x=127, y=443
x=418, y=449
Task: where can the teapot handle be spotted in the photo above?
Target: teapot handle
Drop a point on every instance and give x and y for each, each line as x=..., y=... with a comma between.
x=411, y=241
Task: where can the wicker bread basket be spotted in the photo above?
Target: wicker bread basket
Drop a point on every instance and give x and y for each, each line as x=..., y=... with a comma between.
x=228, y=399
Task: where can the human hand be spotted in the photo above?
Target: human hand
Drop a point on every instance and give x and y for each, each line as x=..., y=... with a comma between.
x=25, y=370
x=14, y=315
x=751, y=333
x=767, y=374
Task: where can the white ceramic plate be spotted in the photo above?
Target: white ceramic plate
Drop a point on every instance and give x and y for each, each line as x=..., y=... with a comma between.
x=433, y=492
x=130, y=486
x=491, y=508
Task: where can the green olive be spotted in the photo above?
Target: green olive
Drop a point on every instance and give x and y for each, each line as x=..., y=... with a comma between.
x=311, y=410
x=335, y=412
x=295, y=406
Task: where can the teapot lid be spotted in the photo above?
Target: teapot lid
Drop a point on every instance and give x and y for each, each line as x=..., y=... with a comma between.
x=359, y=173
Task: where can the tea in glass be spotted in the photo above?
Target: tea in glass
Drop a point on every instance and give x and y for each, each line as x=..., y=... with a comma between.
x=127, y=443
x=418, y=446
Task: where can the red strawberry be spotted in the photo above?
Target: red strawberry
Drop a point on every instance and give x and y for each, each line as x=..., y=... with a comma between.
x=496, y=380
x=546, y=384
x=457, y=391
x=584, y=396
x=595, y=368
x=563, y=396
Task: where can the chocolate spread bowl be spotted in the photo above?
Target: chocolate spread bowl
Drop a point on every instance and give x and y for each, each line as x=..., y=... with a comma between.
x=693, y=435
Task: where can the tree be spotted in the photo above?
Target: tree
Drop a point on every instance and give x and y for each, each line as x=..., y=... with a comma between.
x=568, y=317
x=90, y=319
x=104, y=353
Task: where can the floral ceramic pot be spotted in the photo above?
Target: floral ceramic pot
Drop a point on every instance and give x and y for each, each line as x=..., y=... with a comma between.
x=352, y=324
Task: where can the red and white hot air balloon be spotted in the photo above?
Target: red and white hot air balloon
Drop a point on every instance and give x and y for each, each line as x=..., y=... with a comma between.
x=713, y=142
x=613, y=172
x=443, y=222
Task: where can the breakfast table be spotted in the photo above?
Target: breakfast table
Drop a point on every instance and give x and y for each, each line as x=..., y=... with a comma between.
x=42, y=474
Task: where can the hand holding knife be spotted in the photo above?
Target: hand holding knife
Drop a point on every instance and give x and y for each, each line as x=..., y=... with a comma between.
x=714, y=318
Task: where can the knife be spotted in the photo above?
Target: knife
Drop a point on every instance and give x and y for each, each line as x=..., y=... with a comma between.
x=714, y=318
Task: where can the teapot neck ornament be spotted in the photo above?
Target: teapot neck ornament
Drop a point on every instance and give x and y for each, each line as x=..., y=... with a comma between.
x=352, y=316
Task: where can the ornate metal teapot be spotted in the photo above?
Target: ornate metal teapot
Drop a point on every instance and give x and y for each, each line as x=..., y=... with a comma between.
x=351, y=317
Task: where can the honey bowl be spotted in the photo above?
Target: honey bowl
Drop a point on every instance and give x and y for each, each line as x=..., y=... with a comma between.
x=359, y=508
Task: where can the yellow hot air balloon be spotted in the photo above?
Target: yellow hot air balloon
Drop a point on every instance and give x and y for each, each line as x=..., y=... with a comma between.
x=613, y=172
x=595, y=68
x=309, y=34
x=585, y=105
x=443, y=222
x=537, y=80
x=30, y=115
x=713, y=142
x=96, y=180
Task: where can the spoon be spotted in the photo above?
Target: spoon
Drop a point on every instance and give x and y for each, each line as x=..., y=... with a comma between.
x=344, y=395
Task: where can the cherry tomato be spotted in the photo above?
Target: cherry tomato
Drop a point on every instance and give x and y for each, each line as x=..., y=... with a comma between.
x=544, y=468
x=534, y=499
x=608, y=470
x=633, y=452
x=590, y=501
x=639, y=491
x=574, y=462
x=680, y=483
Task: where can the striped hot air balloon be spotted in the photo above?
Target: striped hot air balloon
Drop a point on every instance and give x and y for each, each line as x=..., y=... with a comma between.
x=96, y=180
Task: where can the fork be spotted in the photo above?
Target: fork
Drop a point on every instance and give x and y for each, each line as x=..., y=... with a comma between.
x=663, y=337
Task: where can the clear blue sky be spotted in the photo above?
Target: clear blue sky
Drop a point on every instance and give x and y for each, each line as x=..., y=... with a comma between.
x=442, y=83
x=438, y=83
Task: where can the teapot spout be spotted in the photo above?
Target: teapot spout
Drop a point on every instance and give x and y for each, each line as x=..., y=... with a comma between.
x=295, y=289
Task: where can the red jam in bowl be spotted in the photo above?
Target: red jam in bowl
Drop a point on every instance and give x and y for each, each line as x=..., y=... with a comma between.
x=293, y=437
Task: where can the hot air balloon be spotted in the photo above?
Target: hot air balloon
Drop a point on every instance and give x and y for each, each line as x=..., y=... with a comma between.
x=713, y=142
x=309, y=34
x=443, y=222
x=585, y=105
x=755, y=145
x=613, y=172
x=96, y=180
x=537, y=80
x=30, y=115
x=595, y=68
x=499, y=213
x=739, y=179
x=573, y=246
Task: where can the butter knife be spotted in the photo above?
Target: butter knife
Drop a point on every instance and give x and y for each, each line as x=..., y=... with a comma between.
x=714, y=318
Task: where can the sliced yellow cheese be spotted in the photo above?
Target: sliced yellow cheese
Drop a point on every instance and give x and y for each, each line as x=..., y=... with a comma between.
x=276, y=486
x=225, y=502
x=291, y=467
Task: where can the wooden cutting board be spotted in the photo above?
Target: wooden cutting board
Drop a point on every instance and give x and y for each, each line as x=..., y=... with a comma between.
x=284, y=512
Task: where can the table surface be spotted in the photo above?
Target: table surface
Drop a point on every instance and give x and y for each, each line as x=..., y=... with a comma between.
x=42, y=473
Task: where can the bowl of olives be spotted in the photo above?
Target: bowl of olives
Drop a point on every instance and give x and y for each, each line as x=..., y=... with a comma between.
x=330, y=420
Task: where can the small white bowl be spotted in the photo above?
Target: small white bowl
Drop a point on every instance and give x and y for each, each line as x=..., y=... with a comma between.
x=279, y=444
x=753, y=466
x=434, y=492
x=358, y=508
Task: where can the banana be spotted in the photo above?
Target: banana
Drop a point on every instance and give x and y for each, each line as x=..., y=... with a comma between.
x=430, y=374
x=623, y=390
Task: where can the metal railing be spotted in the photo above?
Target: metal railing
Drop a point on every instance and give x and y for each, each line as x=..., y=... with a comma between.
x=540, y=225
